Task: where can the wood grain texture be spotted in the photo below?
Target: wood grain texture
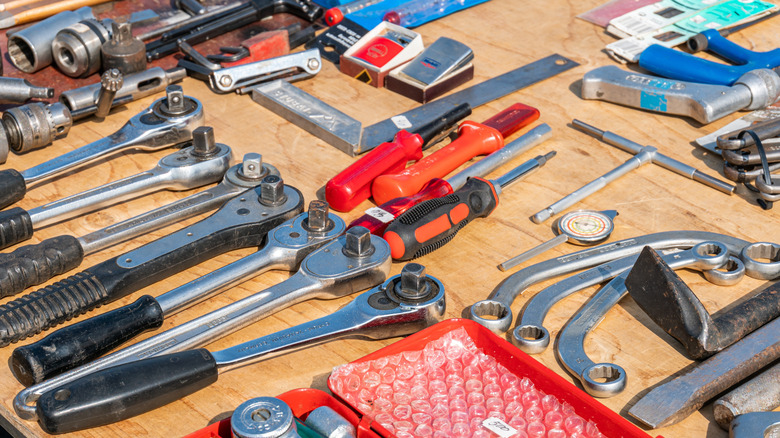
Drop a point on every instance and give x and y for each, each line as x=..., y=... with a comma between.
x=504, y=34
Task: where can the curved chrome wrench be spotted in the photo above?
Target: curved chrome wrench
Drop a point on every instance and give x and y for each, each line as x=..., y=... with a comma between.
x=390, y=310
x=168, y=121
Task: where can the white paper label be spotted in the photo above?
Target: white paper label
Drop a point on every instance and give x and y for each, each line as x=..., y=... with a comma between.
x=401, y=122
x=378, y=213
x=498, y=427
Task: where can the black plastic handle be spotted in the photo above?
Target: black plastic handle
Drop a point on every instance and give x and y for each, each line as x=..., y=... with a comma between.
x=84, y=341
x=124, y=391
x=15, y=226
x=12, y=187
x=34, y=264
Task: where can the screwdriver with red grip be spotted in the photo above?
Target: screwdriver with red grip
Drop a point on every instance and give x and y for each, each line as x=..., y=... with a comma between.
x=377, y=219
x=353, y=184
x=474, y=139
x=428, y=226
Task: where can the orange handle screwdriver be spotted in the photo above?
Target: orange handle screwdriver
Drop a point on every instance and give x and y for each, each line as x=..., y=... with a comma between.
x=474, y=139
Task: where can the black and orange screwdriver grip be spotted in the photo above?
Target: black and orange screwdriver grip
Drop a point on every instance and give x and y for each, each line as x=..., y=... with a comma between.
x=430, y=225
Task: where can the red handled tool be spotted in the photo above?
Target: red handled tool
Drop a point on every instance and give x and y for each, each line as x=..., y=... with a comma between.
x=377, y=219
x=353, y=184
x=427, y=226
x=474, y=139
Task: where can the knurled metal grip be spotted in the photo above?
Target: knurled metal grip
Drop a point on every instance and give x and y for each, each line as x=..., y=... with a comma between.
x=50, y=306
x=15, y=226
x=14, y=187
x=34, y=264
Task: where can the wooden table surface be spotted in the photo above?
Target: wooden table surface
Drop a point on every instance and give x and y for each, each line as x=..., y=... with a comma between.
x=504, y=34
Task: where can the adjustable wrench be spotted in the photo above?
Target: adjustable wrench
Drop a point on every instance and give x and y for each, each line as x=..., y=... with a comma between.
x=353, y=262
x=33, y=264
x=402, y=305
x=702, y=102
x=244, y=221
x=168, y=121
x=79, y=343
x=498, y=304
x=202, y=163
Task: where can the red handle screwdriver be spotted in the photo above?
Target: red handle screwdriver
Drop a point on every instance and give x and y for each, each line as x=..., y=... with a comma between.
x=474, y=139
x=429, y=225
x=353, y=184
x=377, y=219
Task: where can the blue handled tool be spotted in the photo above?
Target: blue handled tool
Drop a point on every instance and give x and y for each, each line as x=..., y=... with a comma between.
x=675, y=64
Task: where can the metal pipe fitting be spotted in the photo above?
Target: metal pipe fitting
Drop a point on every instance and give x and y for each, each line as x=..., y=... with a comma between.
x=76, y=49
x=36, y=125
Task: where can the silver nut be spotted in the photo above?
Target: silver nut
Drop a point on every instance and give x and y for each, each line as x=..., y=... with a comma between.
x=203, y=142
x=318, y=219
x=413, y=283
x=272, y=190
x=252, y=166
x=174, y=96
x=358, y=242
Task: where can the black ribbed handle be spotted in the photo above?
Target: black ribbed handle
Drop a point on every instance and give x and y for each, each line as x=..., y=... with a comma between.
x=47, y=307
x=31, y=265
x=12, y=187
x=84, y=341
x=124, y=391
x=15, y=226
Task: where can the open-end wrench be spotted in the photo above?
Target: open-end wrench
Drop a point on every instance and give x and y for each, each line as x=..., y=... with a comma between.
x=495, y=312
x=79, y=343
x=202, y=163
x=242, y=222
x=33, y=264
x=356, y=261
x=402, y=305
x=168, y=121
x=571, y=349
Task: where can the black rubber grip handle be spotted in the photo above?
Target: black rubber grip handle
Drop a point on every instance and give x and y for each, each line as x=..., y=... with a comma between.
x=124, y=391
x=84, y=341
x=31, y=265
x=15, y=226
x=12, y=187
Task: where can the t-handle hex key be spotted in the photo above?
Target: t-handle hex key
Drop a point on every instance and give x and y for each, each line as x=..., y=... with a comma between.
x=202, y=163
x=168, y=121
x=242, y=222
x=79, y=343
x=642, y=155
x=34, y=264
x=351, y=263
x=402, y=305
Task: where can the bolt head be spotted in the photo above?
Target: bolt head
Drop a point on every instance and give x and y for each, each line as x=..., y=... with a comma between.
x=174, y=96
x=318, y=219
x=413, y=284
x=225, y=81
x=203, y=141
x=272, y=190
x=252, y=166
x=313, y=64
x=358, y=242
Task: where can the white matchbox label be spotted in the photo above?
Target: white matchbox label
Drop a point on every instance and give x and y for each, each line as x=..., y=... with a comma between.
x=401, y=122
x=499, y=427
x=378, y=213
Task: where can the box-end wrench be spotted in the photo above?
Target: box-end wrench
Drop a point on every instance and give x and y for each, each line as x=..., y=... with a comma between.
x=702, y=102
x=242, y=222
x=31, y=265
x=202, y=163
x=401, y=306
x=79, y=343
x=608, y=379
x=353, y=262
x=495, y=312
x=168, y=121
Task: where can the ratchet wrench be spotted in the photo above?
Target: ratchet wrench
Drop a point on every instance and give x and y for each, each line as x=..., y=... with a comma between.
x=353, y=262
x=242, y=222
x=33, y=264
x=168, y=121
x=403, y=305
x=202, y=163
x=79, y=343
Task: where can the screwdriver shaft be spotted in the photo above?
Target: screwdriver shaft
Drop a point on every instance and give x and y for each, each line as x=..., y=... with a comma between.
x=533, y=252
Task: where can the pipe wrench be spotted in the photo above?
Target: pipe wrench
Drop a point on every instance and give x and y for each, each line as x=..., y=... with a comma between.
x=244, y=221
x=202, y=163
x=353, y=262
x=401, y=306
x=675, y=64
x=33, y=264
x=79, y=343
x=703, y=102
x=168, y=121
